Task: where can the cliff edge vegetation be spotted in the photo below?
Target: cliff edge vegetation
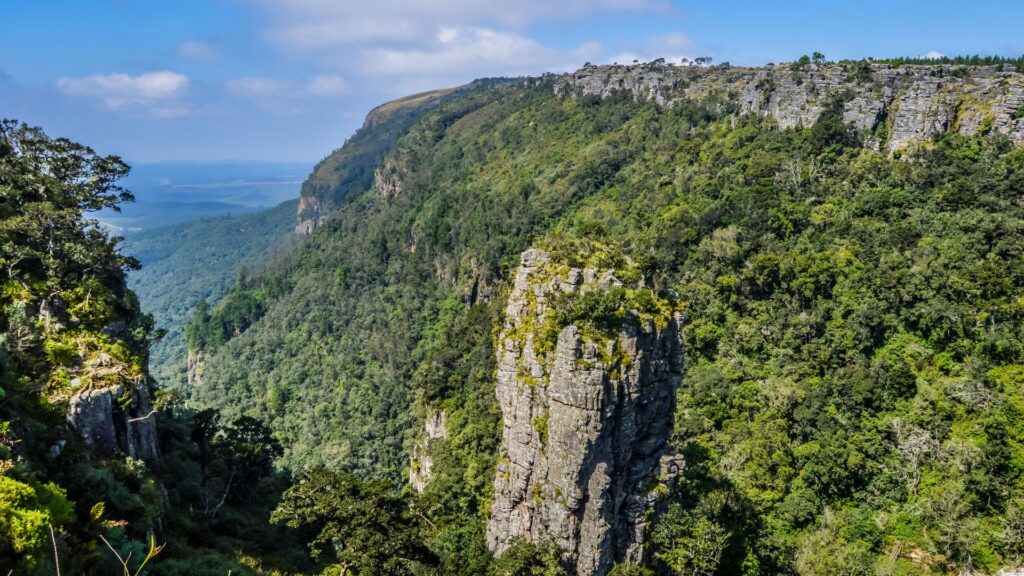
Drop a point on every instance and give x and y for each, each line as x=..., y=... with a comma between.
x=844, y=248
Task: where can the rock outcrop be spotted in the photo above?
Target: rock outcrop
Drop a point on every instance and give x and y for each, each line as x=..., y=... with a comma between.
x=435, y=427
x=906, y=104
x=586, y=419
x=114, y=420
x=195, y=366
x=308, y=216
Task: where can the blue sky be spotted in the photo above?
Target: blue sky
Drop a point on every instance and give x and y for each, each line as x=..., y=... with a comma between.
x=289, y=80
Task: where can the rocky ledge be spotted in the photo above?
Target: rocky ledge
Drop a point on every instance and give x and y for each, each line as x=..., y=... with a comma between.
x=902, y=105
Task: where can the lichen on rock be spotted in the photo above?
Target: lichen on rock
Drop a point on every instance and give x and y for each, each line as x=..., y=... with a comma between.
x=586, y=418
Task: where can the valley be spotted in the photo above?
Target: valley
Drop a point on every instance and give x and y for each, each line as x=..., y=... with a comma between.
x=630, y=320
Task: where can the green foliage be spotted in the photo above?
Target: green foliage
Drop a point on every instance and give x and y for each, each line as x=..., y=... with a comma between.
x=853, y=321
x=837, y=374
x=67, y=323
x=456, y=376
x=689, y=547
x=975, y=60
x=26, y=514
x=195, y=263
x=221, y=493
x=800, y=63
x=630, y=570
x=233, y=459
x=47, y=185
x=524, y=558
x=66, y=319
x=365, y=527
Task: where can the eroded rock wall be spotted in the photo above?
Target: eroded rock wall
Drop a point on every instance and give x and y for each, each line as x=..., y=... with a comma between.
x=911, y=103
x=421, y=465
x=113, y=420
x=585, y=423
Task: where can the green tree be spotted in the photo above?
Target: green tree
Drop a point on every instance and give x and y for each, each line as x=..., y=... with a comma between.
x=47, y=186
x=364, y=528
x=630, y=570
x=526, y=558
x=233, y=459
x=689, y=544
x=27, y=512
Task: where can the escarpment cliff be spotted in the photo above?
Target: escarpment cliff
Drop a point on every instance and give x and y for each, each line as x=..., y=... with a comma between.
x=829, y=289
x=898, y=105
x=901, y=104
x=586, y=417
x=351, y=168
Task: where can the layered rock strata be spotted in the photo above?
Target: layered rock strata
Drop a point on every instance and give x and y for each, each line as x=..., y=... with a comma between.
x=903, y=104
x=586, y=420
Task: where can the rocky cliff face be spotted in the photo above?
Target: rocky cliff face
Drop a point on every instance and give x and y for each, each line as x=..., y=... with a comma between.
x=901, y=105
x=195, y=365
x=585, y=422
x=435, y=427
x=108, y=399
x=115, y=420
x=904, y=104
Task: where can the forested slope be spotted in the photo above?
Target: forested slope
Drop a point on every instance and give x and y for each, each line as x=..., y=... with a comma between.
x=854, y=354
x=98, y=474
x=187, y=263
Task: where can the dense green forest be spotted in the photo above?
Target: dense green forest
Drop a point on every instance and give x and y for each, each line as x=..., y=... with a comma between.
x=196, y=261
x=853, y=325
x=69, y=326
x=854, y=373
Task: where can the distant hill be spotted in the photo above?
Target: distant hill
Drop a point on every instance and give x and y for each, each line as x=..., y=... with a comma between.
x=170, y=193
x=188, y=262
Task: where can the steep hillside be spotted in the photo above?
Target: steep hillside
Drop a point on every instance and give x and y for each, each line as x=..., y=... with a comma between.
x=97, y=474
x=843, y=242
x=187, y=263
x=350, y=168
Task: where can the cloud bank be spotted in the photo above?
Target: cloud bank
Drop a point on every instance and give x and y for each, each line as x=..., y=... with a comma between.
x=159, y=92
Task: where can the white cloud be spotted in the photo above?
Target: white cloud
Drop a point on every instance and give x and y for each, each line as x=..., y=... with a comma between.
x=314, y=34
x=675, y=42
x=150, y=90
x=286, y=96
x=400, y=46
x=263, y=88
x=253, y=87
x=674, y=48
x=320, y=23
x=934, y=55
x=326, y=85
x=194, y=50
x=465, y=51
